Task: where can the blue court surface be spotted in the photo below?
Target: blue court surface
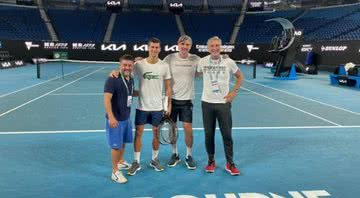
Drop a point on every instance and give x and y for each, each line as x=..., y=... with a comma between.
x=295, y=139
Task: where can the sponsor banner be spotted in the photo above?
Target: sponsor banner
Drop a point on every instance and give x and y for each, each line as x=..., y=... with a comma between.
x=334, y=48
x=252, y=47
x=224, y=48
x=29, y=45
x=306, y=48
x=113, y=47
x=83, y=46
x=55, y=45
x=327, y=53
x=11, y=64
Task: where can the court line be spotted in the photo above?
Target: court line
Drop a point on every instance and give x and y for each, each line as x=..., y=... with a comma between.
x=86, y=94
x=31, y=86
x=298, y=109
x=37, y=98
x=182, y=129
x=285, y=104
x=77, y=94
x=293, y=94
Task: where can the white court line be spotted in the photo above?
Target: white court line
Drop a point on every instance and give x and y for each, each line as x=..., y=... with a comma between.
x=182, y=129
x=285, y=104
x=86, y=94
x=67, y=84
x=77, y=94
x=22, y=89
x=293, y=94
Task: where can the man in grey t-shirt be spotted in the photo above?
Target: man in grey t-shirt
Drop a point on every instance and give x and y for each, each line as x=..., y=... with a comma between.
x=183, y=68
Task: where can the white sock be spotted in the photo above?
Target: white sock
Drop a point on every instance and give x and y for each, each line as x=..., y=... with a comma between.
x=137, y=157
x=155, y=154
x=188, y=151
x=174, y=149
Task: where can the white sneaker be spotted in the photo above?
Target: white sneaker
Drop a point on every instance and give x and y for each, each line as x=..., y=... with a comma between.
x=118, y=177
x=123, y=165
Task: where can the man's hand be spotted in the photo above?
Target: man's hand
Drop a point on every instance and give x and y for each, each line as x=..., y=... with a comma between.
x=230, y=96
x=113, y=123
x=114, y=74
x=168, y=112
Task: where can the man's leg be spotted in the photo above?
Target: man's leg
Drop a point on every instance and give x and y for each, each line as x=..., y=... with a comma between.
x=225, y=124
x=140, y=120
x=209, y=122
x=156, y=118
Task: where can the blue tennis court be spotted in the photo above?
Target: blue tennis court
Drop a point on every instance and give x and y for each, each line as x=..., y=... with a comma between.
x=291, y=139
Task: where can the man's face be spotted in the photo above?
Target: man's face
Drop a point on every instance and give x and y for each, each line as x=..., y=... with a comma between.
x=214, y=47
x=126, y=67
x=184, y=47
x=154, y=49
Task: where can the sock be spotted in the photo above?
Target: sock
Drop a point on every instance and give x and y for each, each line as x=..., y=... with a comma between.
x=155, y=154
x=174, y=149
x=188, y=152
x=137, y=157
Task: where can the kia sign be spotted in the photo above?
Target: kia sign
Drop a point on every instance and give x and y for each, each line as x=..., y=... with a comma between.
x=11, y=64
x=113, y=47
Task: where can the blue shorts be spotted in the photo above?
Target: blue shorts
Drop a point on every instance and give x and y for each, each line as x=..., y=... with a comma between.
x=118, y=136
x=148, y=117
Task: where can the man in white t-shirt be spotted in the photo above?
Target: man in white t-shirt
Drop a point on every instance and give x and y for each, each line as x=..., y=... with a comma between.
x=183, y=68
x=216, y=101
x=152, y=73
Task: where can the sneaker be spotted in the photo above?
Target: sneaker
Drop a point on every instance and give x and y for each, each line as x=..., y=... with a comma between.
x=210, y=168
x=123, y=165
x=230, y=167
x=190, y=163
x=135, y=166
x=156, y=165
x=175, y=159
x=118, y=177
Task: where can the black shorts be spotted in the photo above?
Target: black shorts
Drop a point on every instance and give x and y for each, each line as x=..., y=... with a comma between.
x=181, y=109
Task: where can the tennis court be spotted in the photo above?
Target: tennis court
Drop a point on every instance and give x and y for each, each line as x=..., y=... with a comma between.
x=291, y=139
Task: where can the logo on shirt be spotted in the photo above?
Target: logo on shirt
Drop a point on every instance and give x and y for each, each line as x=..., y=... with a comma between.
x=150, y=76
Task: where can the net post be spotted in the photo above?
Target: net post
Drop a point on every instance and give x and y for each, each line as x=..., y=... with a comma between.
x=37, y=69
x=254, y=70
x=62, y=68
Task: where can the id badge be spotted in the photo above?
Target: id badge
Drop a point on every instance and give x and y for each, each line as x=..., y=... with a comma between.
x=215, y=86
x=129, y=101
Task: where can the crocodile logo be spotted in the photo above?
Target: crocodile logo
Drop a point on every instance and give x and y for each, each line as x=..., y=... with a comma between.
x=150, y=76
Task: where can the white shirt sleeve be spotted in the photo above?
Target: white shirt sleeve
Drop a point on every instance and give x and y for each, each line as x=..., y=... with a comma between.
x=199, y=66
x=167, y=59
x=167, y=75
x=233, y=66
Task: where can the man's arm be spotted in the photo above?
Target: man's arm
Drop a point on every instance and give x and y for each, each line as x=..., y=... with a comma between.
x=107, y=103
x=239, y=78
x=168, y=93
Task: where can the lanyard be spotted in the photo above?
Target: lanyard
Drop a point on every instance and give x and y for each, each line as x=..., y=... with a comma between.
x=212, y=65
x=127, y=88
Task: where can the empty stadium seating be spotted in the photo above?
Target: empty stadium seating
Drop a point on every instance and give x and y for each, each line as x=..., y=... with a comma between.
x=203, y=26
x=79, y=25
x=22, y=23
x=140, y=26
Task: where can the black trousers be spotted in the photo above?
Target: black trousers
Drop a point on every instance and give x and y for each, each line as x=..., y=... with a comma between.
x=222, y=113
